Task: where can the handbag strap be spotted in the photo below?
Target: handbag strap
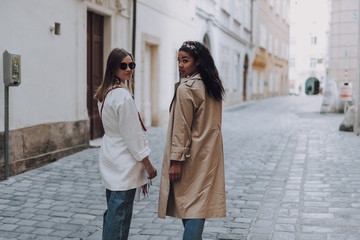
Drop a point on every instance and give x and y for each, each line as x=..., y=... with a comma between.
x=102, y=106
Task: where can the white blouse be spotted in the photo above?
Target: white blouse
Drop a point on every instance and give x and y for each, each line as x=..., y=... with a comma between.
x=124, y=144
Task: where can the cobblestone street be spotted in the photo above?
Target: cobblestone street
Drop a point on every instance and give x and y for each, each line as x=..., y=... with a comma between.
x=290, y=174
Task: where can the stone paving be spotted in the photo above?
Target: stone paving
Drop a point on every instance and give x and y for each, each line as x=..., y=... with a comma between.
x=290, y=174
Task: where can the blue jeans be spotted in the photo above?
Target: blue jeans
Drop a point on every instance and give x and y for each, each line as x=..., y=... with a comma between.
x=117, y=217
x=193, y=229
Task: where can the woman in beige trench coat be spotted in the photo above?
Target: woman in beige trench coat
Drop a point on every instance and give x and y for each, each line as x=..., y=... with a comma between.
x=192, y=184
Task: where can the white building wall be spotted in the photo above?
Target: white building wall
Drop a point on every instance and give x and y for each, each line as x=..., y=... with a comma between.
x=54, y=81
x=302, y=49
x=166, y=25
x=50, y=90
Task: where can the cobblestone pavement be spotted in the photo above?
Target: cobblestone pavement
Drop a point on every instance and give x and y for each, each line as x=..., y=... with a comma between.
x=290, y=174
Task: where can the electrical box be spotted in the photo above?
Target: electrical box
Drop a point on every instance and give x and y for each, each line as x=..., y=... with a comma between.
x=12, y=68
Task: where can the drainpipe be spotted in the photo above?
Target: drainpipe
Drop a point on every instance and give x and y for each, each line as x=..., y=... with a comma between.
x=133, y=47
x=133, y=29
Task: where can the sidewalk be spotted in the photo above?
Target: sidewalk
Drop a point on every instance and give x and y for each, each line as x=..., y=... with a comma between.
x=290, y=174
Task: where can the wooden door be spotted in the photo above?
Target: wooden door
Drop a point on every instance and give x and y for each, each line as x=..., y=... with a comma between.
x=95, y=53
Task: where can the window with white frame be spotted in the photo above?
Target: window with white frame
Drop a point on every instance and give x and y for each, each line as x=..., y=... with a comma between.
x=255, y=82
x=262, y=40
x=271, y=82
x=277, y=6
x=270, y=43
x=313, y=40
x=226, y=6
x=287, y=51
x=284, y=9
x=277, y=82
x=261, y=82
x=237, y=68
x=247, y=13
x=292, y=63
x=225, y=67
x=276, y=47
x=313, y=62
x=288, y=13
x=238, y=11
x=271, y=3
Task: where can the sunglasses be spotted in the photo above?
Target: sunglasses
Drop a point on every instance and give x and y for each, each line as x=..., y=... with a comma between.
x=123, y=66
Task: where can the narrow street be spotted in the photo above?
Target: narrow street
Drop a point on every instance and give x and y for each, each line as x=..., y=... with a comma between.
x=290, y=174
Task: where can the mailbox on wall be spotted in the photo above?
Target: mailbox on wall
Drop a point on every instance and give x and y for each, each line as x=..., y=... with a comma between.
x=12, y=68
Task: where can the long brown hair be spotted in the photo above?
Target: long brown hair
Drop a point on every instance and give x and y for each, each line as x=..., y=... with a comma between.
x=112, y=65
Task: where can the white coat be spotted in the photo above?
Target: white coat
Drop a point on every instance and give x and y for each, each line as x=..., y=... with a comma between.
x=124, y=144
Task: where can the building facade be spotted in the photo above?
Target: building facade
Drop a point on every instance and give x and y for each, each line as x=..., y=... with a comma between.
x=64, y=46
x=308, y=46
x=223, y=26
x=271, y=48
x=343, y=50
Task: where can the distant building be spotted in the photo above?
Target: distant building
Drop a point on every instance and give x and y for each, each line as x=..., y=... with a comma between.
x=271, y=26
x=308, y=46
x=343, y=51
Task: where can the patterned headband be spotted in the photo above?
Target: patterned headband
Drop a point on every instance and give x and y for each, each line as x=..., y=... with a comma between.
x=190, y=46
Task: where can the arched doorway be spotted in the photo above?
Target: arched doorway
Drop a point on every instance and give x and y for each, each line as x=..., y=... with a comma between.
x=312, y=86
x=246, y=66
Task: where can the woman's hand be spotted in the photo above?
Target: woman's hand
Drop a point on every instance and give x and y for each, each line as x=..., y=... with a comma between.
x=151, y=171
x=175, y=171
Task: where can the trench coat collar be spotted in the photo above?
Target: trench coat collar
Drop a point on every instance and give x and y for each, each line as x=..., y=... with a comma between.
x=194, y=77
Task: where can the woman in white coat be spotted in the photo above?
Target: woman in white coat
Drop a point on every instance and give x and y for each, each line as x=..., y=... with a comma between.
x=124, y=161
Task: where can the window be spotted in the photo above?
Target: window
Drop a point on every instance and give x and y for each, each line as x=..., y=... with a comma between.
x=292, y=63
x=277, y=7
x=262, y=36
x=247, y=11
x=313, y=62
x=261, y=82
x=226, y=6
x=277, y=83
x=271, y=3
x=313, y=40
x=237, y=12
x=271, y=82
x=276, y=47
x=255, y=82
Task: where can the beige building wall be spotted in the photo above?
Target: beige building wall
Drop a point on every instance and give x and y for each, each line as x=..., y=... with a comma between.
x=271, y=48
x=344, y=33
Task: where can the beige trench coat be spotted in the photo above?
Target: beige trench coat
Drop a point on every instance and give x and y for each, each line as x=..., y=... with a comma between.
x=194, y=137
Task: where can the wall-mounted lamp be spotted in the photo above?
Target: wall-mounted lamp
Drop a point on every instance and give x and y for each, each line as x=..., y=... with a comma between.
x=55, y=28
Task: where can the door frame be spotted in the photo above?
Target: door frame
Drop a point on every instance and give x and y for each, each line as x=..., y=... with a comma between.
x=152, y=42
x=96, y=129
